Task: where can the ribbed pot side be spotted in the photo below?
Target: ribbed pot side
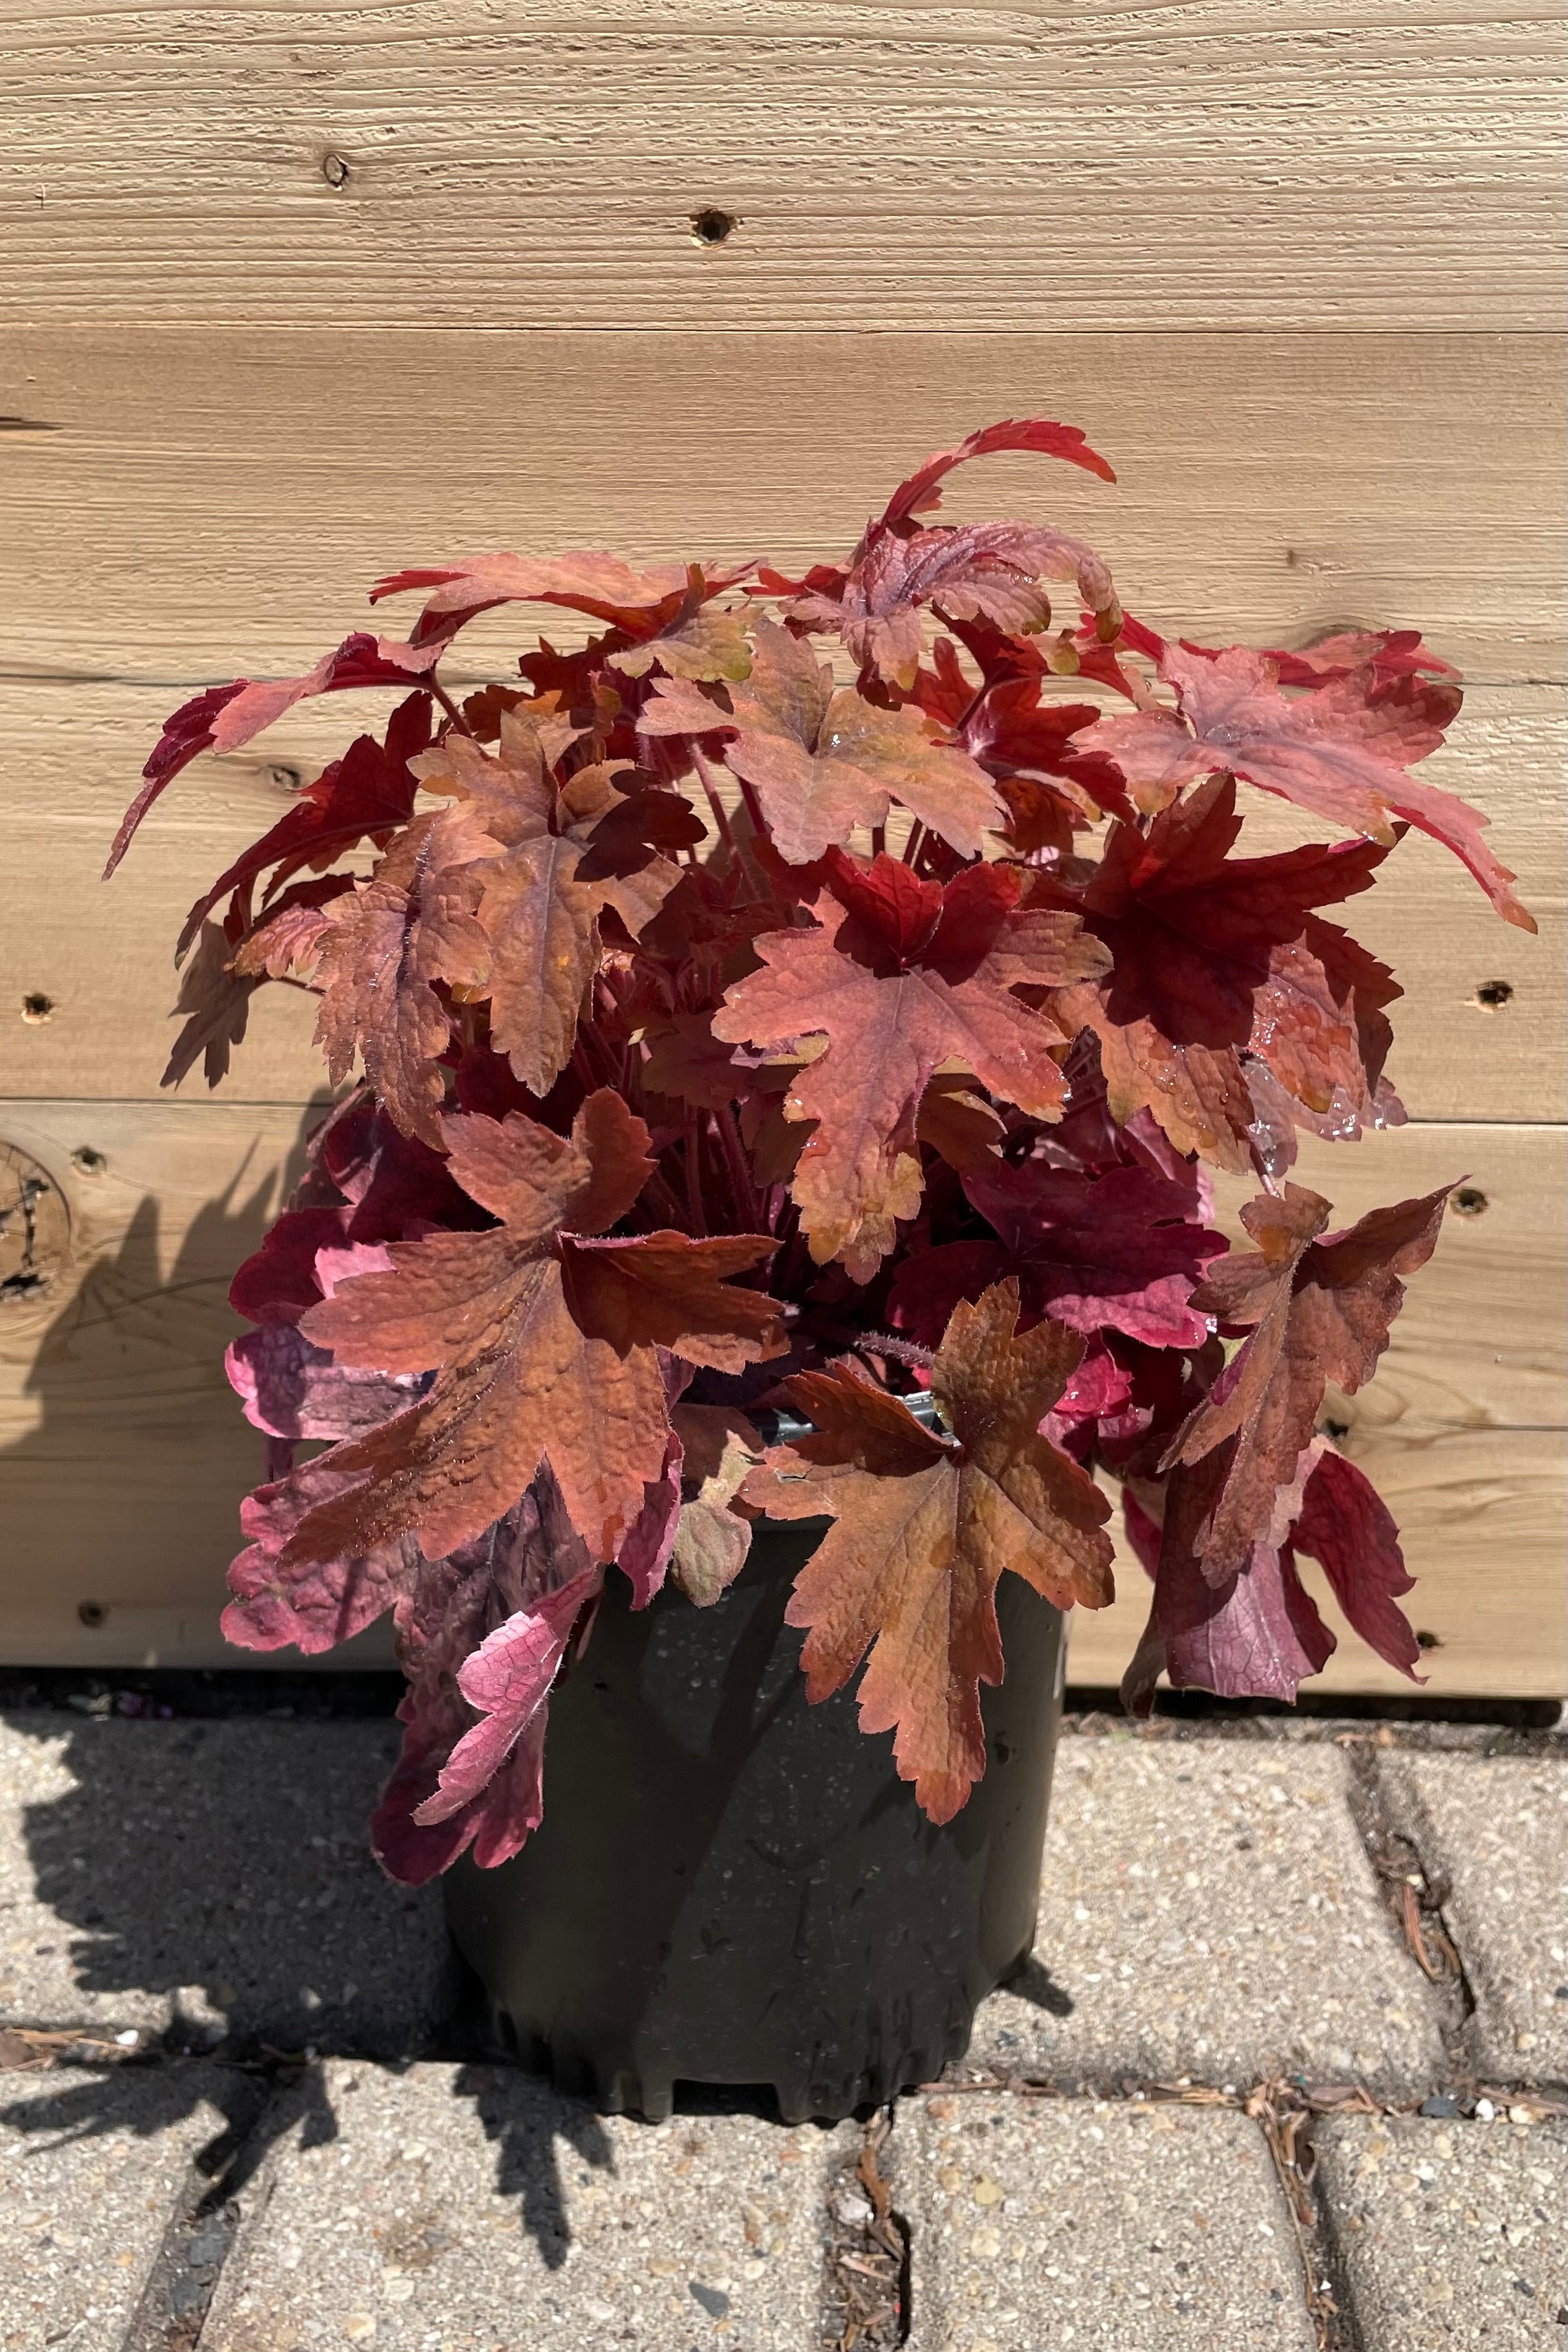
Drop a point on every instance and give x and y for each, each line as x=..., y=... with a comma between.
x=730, y=1887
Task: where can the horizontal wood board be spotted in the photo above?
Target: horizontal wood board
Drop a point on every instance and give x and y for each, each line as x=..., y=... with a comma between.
x=1390, y=164
x=293, y=295
x=188, y=504
x=123, y=1455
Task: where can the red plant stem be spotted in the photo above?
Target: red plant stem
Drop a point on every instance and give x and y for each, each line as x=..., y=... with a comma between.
x=695, y=1175
x=739, y=1173
x=439, y=691
x=753, y=809
x=658, y=1192
x=878, y=841
x=912, y=848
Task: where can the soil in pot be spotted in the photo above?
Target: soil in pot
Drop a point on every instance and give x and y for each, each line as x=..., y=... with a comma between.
x=730, y=1887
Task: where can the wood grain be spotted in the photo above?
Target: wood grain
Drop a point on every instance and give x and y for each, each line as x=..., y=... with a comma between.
x=1482, y=1520
x=205, y=502
x=102, y=954
x=124, y=1456
x=1386, y=164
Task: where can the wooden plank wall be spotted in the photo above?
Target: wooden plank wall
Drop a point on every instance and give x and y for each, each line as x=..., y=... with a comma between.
x=290, y=295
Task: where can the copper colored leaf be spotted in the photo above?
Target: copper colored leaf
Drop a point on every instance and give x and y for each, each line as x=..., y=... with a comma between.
x=705, y=644
x=412, y=926
x=599, y=585
x=823, y=760
x=978, y=570
x=900, y=976
x=566, y=850
x=542, y=1338
x=924, y=1527
x=986, y=571
x=1341, y=750
x=1318, y=1310
x=720, y=1449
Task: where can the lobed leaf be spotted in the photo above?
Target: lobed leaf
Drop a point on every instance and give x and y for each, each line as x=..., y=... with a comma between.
x=924, y=1525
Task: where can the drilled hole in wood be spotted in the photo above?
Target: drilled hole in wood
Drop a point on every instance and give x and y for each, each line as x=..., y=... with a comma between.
x=88, y=1163
x=1338, y=1430
x=92, y=1613
x=37, y=1006
x=711, y=227
x=287, y=780
x=1428, y=1641
x=335, y=170
x=1468, y=1202
x=1494, y=994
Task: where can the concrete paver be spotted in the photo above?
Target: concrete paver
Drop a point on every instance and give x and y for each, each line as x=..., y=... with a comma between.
x=471, y=2209
x=216, y=1872
x=1496, y=1829
x=1207, y=1909
x=1451, y=2234
x=91, y=2169
x=1088, y=2227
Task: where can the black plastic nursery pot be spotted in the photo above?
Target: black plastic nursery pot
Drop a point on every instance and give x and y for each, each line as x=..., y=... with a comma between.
x=730, y=1887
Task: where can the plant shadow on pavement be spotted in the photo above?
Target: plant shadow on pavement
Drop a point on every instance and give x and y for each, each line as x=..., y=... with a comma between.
x=206, y=1853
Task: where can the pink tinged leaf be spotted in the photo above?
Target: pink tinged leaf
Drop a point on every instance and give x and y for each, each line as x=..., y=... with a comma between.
x=1100, y=1388
x=1112, y=1252
x=645, y=1551
x=1255, y=1635
x=226, y=717
x=319, y=1603
x=1341, y=750
x=506, y=1680
x=1346, y=1527
x=922, y=493
x=186, y=735
x=291, y=1389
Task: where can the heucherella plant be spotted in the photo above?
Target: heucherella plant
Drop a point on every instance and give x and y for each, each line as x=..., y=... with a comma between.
x=814, y=993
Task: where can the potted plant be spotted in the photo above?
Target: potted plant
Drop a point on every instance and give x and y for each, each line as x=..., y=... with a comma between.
x=795, y=1030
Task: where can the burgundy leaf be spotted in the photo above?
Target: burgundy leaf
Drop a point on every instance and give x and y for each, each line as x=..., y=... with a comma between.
x=226, y=717
x=1345, y=1526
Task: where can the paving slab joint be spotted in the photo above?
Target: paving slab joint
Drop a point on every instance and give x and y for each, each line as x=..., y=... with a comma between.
x=869, y=2248
x=201, y=2229
x=1286, y=2121
x=1397, y=1844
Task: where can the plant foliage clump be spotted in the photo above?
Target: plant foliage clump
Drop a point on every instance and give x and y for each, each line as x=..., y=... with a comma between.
x=824, y=992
